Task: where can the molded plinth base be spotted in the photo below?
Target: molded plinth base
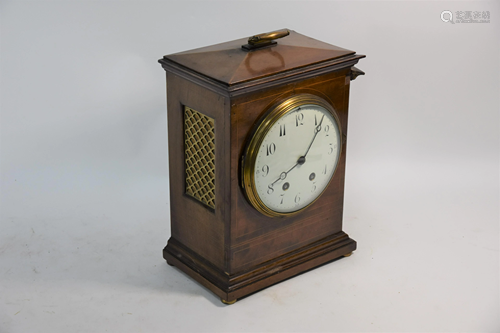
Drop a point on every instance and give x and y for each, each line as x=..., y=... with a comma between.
x=232, y=287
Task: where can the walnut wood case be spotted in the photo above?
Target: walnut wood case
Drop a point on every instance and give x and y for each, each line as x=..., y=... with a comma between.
x=228, y=246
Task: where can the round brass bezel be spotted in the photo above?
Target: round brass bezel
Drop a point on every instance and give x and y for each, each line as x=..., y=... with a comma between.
x=251, y=152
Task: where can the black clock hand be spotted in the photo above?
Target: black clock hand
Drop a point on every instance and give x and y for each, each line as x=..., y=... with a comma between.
x=301, y=159
x=283, y=174
x=317, y=129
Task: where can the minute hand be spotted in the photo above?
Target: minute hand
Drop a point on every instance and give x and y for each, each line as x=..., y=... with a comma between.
x=317, y=129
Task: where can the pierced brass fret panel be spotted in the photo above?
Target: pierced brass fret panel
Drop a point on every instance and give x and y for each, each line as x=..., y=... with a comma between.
x=199, y=145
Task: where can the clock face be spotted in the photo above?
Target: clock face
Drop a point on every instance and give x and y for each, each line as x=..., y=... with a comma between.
x=296, y=157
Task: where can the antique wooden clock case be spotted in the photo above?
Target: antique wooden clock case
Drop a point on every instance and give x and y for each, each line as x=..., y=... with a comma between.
x=219, y=98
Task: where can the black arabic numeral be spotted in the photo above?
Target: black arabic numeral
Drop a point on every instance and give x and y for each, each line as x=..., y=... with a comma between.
x=270, y=149
x=270, y=189
x=299, y=119
x=330, y=151
x=265, y=169
x=327, y=128
x=282, y=130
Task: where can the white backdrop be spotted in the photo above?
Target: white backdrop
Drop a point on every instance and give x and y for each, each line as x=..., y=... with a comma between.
x=84, y=169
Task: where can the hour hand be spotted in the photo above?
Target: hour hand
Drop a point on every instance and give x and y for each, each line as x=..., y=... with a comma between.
x=284, y=174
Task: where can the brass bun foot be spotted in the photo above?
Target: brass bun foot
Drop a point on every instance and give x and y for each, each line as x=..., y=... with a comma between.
x=348, y=255
x=228, y=302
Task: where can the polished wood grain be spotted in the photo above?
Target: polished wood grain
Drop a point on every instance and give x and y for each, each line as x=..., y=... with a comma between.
x=233, y=249
x=230, y=64
x=196, y=225
x=257, y=238
x=235, y=286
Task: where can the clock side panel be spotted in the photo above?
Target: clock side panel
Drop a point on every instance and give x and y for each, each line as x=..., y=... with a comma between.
x=197, y=142
x=254, y=237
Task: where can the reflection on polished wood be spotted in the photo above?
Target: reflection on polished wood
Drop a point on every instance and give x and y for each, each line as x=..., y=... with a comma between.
x=225, y=62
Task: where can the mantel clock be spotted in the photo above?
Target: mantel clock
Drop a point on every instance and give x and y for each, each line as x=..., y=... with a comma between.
x=257, y=131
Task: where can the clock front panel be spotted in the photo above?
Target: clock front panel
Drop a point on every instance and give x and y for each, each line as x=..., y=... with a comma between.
x=283, y=184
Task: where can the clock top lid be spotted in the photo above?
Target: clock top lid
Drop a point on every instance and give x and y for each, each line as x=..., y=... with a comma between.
x=230, y=63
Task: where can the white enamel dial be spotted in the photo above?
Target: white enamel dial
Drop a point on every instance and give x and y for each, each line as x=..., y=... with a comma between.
x=297, y=158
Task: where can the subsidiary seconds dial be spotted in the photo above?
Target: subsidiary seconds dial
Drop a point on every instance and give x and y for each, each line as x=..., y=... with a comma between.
x=292, y=156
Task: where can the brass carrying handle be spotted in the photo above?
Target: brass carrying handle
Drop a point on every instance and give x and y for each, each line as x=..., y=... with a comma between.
x=267, y=37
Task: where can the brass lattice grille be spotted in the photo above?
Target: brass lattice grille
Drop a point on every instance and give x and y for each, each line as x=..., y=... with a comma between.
x=199, y=139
